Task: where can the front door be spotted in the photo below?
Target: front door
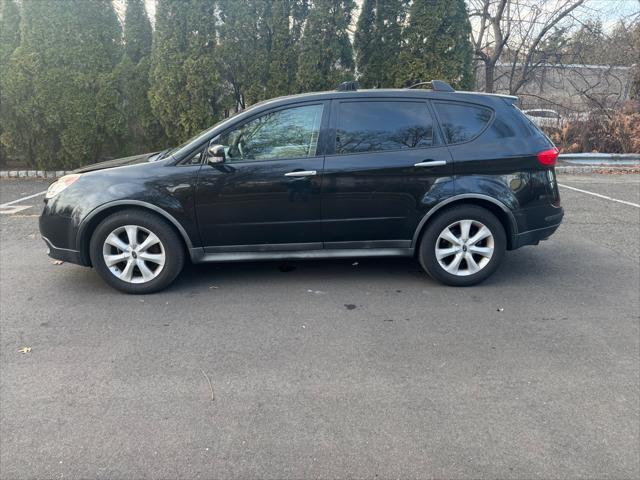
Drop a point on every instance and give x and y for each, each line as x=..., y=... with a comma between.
x=266, y=193
x=388, y=161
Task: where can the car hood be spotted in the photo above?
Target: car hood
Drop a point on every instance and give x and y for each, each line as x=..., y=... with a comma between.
x=118, y=162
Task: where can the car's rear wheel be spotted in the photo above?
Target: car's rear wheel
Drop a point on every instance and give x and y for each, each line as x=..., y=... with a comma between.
x=462, y=246
x=136, y=252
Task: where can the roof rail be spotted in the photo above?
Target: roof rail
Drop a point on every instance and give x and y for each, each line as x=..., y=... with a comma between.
x=436, y=86
x=351, y=86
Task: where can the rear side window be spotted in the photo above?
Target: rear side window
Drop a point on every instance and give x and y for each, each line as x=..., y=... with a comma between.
x=461, y=122
x=379, y=126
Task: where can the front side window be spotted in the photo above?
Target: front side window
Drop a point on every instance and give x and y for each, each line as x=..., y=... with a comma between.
x=290, y=133
x=378, y=126
x=461, y=122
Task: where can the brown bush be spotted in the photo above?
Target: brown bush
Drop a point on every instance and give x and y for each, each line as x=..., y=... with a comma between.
x=615, y=133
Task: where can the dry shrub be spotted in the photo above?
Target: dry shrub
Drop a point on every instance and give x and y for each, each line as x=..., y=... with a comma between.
x=616, y=133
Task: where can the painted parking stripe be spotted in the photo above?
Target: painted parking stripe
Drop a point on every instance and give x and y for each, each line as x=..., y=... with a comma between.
x=600, y=196
x=12, y=209
x=22, y=199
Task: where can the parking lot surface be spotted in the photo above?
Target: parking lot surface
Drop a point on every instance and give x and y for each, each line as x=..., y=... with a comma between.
x=329, y=369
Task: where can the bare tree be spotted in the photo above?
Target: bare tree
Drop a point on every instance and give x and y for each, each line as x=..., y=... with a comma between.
x=512, y=31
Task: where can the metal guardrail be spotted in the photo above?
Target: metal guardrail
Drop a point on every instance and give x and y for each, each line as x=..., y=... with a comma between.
x=621, y=159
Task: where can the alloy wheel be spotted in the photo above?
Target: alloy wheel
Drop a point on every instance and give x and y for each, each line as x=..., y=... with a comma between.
x=465, y=247
x=133, y=254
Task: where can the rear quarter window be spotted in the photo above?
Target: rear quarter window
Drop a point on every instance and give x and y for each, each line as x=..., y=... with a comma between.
x=462, y=122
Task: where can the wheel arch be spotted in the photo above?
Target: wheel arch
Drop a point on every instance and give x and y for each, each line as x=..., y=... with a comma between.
x=93, y=219
x=499, y=209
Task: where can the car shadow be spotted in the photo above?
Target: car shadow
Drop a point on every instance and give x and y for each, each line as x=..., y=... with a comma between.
x=518, y=266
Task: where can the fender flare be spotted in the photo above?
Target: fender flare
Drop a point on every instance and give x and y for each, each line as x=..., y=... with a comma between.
x=463, y=196
x=132, y=203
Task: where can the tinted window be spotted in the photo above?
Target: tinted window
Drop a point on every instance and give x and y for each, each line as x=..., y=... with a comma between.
x=461, y=122
x=290, y=133
x=377, y=126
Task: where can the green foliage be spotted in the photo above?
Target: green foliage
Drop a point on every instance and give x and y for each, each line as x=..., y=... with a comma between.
x=9, y=41
x=437, y=44
x=123, y=106
x=9, y=29
x=54, y=79
x=378, y=41
x=283, y=58
x=137, y=31
x=185, y=89
x=326, y=56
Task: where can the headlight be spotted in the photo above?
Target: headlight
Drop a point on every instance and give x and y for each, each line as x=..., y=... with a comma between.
x=62, y=183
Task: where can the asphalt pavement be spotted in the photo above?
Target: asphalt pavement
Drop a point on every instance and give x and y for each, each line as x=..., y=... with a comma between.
x=360, y=368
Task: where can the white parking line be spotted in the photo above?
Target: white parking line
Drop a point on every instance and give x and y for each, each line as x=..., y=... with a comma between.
x=601, y=196
x=13, y=209
x=22, y=199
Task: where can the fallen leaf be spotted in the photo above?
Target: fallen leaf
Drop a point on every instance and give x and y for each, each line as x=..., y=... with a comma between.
x=24, y=350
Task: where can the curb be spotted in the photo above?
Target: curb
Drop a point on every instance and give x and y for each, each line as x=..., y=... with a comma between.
x=602, y=169
x=33, y=173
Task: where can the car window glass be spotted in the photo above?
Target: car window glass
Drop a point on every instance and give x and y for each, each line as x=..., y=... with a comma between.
x=378, y=126
x=461, y=122
x=290, y=133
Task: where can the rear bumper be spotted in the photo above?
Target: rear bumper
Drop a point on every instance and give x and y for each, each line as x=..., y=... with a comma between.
x=64, y=254
x=533, y=237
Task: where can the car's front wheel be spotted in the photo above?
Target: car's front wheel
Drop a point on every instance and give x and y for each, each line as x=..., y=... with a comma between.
x=463, y=246
x=136, y=252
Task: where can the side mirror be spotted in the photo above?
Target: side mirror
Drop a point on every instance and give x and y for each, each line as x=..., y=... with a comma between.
x=215, y=153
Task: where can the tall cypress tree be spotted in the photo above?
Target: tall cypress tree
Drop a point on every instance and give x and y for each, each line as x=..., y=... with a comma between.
x=9, y=29
x=326, y=55
x=246, y=37
x=284, y=51
x=377, y=41
x=436, y=44
x=123, y=104
x=53, y=80
x=184, y=80
x=9, y=41
x=137, y=31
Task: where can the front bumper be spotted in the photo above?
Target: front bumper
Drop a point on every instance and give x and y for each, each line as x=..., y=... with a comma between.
x=64, y=254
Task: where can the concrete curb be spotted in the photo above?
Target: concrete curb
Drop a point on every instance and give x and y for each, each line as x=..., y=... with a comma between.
x=32, y=173
x=602, y=169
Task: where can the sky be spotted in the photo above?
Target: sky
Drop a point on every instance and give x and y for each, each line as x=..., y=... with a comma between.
x=609, y=11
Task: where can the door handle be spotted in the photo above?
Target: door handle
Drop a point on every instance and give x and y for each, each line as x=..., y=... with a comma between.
x=301, y=173
x=431, y=163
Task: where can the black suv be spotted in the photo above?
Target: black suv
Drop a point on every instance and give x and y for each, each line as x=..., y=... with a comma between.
x=454, y=178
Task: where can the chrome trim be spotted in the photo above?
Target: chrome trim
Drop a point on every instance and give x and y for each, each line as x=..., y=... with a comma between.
x=304, y=173
x=51, y=245
x=266, y=247
x=431, y=163
x=478, y=196
x=300, y=255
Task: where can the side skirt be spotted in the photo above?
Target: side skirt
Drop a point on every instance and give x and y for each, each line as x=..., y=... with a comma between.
x=199, y=256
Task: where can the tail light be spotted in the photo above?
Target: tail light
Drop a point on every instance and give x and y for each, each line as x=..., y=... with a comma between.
x=548, y=158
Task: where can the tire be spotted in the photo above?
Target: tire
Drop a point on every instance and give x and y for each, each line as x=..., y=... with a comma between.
x=150, y=265
x=465, y=272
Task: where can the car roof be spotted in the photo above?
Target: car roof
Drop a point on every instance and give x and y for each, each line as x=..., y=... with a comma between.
x=387, y=93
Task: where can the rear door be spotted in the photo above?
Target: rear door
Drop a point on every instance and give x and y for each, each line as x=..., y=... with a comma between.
x=386, y=156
